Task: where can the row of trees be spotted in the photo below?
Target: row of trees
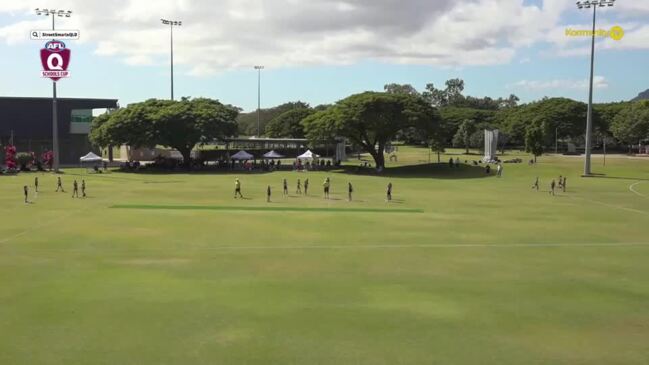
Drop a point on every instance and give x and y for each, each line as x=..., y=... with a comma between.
x=370, y=120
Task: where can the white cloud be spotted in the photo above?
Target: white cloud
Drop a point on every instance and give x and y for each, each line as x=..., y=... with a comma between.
x=277, y=33
x=599, y=82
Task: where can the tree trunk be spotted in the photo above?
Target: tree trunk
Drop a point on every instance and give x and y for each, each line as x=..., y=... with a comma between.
x=187, y=157
x=439, y=160
x=379, y=159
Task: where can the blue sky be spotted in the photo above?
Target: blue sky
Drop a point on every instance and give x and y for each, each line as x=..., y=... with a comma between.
x=525, y=52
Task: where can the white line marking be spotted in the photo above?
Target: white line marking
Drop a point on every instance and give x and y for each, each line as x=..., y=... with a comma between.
x=632, y=186
x=612, y=206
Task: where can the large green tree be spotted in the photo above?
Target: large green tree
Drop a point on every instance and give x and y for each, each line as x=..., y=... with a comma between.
x=400, y=89
x=564, y=116
x=631, y=124
x=288, y=124
x=177, y=124
x=372, y=119
x=462, y=137
x=534, y=139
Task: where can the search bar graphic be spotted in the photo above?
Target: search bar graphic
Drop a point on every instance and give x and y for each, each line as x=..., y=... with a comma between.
x=39, y=35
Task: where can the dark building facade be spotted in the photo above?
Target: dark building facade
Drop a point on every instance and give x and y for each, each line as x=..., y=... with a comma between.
x=30, y=121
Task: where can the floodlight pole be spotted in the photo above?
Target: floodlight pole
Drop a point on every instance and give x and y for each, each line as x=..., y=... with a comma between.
x=259, y=68
x=589, y=118
x=171, y=24
x=171, y=28
x=55, y=117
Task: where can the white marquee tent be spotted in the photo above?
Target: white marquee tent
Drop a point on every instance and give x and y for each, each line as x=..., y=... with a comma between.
x=272, y=154
x=308, y=155
x=90, y=157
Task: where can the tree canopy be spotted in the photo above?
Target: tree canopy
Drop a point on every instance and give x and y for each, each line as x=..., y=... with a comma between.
x=631, y=124
x=565, y=116
x=177, y=124
x=534, y=136
x=462, y=137
x=372, y=119
x=248, y=121
x=288, y=124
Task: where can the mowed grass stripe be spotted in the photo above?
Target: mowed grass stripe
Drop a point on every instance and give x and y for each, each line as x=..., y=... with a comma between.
x=263, y=209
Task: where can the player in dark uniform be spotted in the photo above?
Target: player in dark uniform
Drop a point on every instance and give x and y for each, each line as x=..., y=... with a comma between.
x=83, y=188
x=536, y=184
x=59, y=185
x=75, y=189
x=298, y=189
x=388, y=195
x=306, y=186
x=553, y=184
x=268, y=192
x=350, y=190
x=26, y=191
x=563, y=185
x=285, y=183
x=36, y=184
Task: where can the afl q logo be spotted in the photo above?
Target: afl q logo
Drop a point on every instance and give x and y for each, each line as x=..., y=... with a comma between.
x=55, y=58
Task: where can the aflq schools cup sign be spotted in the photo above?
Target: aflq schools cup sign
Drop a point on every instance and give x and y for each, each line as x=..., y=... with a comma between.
x=55, y=59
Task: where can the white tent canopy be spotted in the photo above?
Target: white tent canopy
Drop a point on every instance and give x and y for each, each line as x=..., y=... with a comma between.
x=272, y=154
x=242, y=155
x=90, y=157
x=308, y=155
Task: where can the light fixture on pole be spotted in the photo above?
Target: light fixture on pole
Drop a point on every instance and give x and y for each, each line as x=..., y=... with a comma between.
x=587, y=4
x=259, y=68
x=171, y=24
x=55, y=123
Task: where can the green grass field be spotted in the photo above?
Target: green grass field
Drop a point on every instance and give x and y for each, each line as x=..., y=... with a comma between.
x=459, y=269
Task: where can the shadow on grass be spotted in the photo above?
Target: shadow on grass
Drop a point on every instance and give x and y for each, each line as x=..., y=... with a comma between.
x=429, y=170
x=426, y=170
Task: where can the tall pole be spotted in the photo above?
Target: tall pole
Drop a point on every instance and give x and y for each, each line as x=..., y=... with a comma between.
x=258, y=102
x=55, y=121
x=587, y=4
x=259, y=68
x=556, y=140
x=171, y=24
x=171, y=27
x=589, y=117
x=604, y=150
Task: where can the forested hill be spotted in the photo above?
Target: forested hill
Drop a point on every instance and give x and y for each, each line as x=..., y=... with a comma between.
x=642, y=96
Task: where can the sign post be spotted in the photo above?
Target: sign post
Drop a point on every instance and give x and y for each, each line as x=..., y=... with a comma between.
x=55, y=59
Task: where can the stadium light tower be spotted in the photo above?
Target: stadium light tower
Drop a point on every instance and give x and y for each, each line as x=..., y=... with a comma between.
x=171, y=24
x=259, y=68
x=594, y=4
x=55, y=123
